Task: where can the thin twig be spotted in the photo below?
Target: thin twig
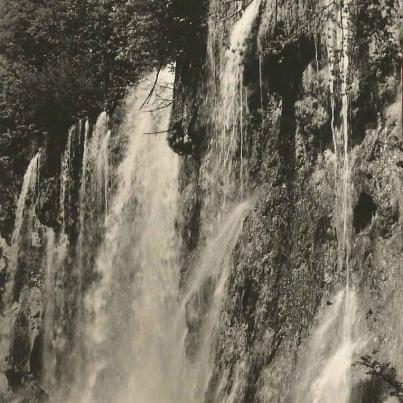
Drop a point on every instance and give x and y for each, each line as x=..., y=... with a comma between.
x=236, y=12
x=160, y=107
x=159, y=132
x=153, y=87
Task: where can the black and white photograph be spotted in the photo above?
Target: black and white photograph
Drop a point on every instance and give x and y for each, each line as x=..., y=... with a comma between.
x=201, y=201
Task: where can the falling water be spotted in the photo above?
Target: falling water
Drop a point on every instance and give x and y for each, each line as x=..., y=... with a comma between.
x=229, y=111
x=225, y=208
x=226, y=203
x=94, y=194
x=90, y=151
x=25, y=206
x=325, y=367
x=339, y=335
x=213, y=267
x=54, y=337
x=95, y=171
x=133, y=349
x=56, y=254
x=339, y=65
x=65, y=175
x=339, y=61
x=137, y=352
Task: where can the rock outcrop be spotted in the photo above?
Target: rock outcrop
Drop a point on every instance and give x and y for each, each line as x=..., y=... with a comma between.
x=284, y=267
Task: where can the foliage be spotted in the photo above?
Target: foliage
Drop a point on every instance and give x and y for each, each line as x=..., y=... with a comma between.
x=384, y=371
x=61, y=59
x=377, y=22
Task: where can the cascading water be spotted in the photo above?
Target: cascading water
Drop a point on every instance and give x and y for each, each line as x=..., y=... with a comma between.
x=91, y=151
x=138, y=323
x=65, y=174
x=133, y=349
x=94, y=194
x=339, y=64
x=225, y=175
x=138, y=352
x=212, y=269
x=24, y=213
x=57, y=247
x=326, y=367
x=54, y=338
x=226, y=204
x=95, y=171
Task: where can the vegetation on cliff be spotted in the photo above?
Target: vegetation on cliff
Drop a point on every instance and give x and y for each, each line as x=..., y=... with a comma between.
x=62, y=60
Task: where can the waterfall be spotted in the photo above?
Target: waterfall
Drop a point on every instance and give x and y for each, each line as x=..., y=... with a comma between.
x=339, y=61
x=132, y=349
x=138, y=352
x=225, y=171
x=226, y=202
x=93, y=195
x=56, y=262
x=339, y=335
x=53, y=321
x=325, y=368
x=65, y=175
x=87, y=190
x=25, y=211
x=213, y=267
x=339, y=66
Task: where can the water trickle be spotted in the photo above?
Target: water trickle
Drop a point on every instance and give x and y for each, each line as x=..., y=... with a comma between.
x=25, y=211
x=338, y=337
x=338, y=37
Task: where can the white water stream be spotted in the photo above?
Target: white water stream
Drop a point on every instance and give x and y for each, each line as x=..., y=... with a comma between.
x=25, y=209
x=132, y=347
x=136, y=352
x=339, y=336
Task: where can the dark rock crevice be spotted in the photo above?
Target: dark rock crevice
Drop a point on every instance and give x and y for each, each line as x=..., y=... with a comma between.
x=364, y=212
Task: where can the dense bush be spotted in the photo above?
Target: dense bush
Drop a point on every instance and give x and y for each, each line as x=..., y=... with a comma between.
x=64, y=58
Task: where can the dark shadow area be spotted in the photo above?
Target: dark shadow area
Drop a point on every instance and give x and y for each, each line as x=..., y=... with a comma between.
x=364, y=211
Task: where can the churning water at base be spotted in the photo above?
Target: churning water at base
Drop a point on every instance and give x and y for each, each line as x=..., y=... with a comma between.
x=325, y=368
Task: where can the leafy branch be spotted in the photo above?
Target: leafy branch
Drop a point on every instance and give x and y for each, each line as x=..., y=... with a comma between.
x=384, y=371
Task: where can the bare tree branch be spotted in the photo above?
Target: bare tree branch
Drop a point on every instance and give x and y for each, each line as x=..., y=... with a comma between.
x=152, y=88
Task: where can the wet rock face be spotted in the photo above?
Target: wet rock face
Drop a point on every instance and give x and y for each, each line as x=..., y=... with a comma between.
x=4, y=265
x=47, y=208
x=285, y=262
x=25, y=336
